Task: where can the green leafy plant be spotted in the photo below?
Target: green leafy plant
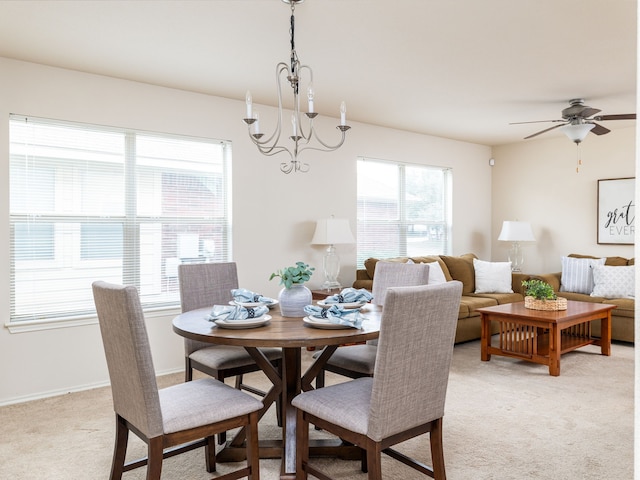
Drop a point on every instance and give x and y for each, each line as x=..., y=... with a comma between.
x=539, y=290
x=296, y=275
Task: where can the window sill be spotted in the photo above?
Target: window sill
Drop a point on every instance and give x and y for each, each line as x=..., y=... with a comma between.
x=37, y=325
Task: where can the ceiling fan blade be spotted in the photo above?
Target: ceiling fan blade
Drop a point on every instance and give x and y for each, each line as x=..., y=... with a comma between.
x=588, y=111
x=543, y=131
x=621, y=116
x=599, y=129
x=536, y=121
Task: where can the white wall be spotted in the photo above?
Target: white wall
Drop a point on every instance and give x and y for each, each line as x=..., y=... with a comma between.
x=274, y=214
x=536, y=181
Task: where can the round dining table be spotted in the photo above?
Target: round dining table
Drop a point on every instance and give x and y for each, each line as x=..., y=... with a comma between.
x=292, y=334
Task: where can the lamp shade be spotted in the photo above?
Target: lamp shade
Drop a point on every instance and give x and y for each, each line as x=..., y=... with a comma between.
x=516, y=232
x=577, y=132
x=331, y=231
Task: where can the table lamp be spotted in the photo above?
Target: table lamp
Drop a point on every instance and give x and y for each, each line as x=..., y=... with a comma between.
x=516, y=232
x=332, y=231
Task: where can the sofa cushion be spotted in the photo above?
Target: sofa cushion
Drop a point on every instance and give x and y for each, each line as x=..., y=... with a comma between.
x=436, y=275
x=473, y=302
x=611, y=261
x=492, y=277
x=435, y=258
x=370, y=263
x=581, y=297
x=577, y=274
x=461, y=269
x=613, y=282
x=502, y=298
x=625, y=307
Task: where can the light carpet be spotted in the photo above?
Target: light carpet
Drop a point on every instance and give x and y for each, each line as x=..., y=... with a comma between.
x=505, y=419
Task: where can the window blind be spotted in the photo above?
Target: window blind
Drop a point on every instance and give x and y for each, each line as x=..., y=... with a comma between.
x=90, y=202
x=403, y=210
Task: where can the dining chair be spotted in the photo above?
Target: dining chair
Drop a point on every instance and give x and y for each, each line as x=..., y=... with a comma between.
x=406, y=395
x=204, y=285
x=355, y=361
x=171, y=420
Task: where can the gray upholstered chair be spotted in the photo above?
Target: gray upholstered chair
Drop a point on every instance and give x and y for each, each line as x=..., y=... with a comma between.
x=357, y=361
x=203, y=285
x=184, y=416
x=406, y=395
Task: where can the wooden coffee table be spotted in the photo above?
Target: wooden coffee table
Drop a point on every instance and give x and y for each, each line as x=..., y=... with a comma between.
x=541, y=336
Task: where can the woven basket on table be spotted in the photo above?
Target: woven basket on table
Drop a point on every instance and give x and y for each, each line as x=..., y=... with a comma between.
x=535, y=304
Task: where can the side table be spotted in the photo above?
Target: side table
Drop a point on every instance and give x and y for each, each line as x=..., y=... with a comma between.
x=322, y=293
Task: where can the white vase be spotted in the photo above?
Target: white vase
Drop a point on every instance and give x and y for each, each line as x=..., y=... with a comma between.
x=293, y=300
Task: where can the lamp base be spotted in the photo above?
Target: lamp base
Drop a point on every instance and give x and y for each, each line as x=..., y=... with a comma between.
x=516, y=257
x=331, y=265
x=328, y=285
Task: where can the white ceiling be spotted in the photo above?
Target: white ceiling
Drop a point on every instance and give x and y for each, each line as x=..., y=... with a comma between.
x=461, y=69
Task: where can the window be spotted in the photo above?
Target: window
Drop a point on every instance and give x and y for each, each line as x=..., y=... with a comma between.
x=403, y=210
x=98, y=203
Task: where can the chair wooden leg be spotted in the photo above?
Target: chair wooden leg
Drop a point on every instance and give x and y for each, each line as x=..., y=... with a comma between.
x=302, y=445
x=374, y=460
x=279, y=398
x=119, y=449
x=253, y=450
x=222, y=436
x=437, y=452
x=210, y=453
x=154, y=465
x=188, y=370
x=320, y=379
x=363, y=461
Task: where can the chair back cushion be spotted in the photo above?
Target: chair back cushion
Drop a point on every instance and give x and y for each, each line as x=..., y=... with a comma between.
x=414, y=356
x=393, y=274
x=126, y=346
x=205, y=285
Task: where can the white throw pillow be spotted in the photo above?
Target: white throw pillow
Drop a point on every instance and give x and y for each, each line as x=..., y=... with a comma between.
x=577, y=274
x=492, y=277
x=436, y=275
x=614, y=282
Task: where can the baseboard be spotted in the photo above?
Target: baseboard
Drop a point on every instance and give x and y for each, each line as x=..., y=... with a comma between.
x=65, y=391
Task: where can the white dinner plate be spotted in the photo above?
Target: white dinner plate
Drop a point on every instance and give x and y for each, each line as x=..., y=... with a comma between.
x=240, y=324
x=350, y=305
x=316, y=322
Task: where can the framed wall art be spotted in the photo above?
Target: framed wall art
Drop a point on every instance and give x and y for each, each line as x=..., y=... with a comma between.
x=616, y=211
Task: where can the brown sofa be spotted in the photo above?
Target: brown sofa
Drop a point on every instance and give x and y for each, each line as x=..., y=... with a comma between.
x=461, y=268
x=455, y=268
x=622, y=317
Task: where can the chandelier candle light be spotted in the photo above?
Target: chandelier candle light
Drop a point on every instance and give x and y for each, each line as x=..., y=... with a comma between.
x=332, y=231
x=301, y=135
x=516, y=232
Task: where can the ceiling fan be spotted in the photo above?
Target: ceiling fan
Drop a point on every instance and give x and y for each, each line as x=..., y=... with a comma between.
x=578, y=120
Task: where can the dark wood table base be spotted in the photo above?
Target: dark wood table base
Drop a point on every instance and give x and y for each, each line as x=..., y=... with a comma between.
x=273, y=449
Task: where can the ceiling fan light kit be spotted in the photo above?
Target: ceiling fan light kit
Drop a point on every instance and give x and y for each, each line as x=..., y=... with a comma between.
x=301, y=136
x=577, y=132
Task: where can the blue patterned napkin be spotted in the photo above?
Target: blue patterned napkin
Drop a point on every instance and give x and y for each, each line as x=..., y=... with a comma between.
x=350, y=295
x=236, y=312
x=247, y=296
x=336, y=314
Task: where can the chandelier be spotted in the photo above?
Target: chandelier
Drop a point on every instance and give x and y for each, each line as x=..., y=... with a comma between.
x=302, y=132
